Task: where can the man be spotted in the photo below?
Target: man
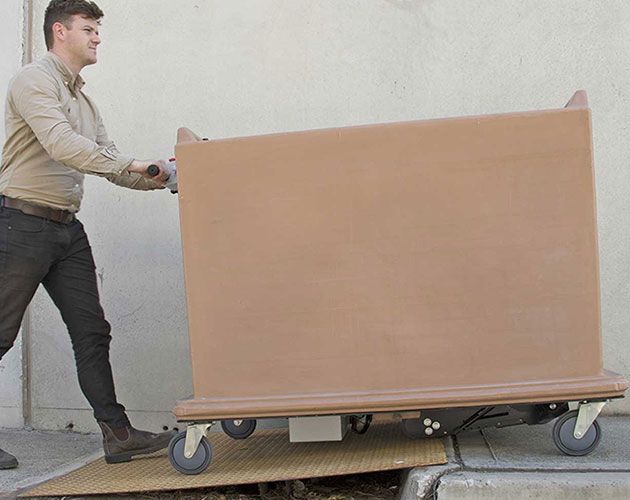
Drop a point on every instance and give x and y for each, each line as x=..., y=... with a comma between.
x=55, y=136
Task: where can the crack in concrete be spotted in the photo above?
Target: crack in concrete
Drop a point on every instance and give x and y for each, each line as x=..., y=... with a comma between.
x=126, y=315
x=516, y=469
x=485, y=439
x=100, y=276
x=458, y=455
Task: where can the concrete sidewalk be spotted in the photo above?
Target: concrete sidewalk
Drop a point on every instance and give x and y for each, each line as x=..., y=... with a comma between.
x=44, y=455
x=516, y=463
x=523, y=463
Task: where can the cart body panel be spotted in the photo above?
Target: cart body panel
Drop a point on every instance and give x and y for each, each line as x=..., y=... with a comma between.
x=396, y=266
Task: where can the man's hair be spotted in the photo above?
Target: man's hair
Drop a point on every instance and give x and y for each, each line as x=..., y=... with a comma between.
x=60, y=11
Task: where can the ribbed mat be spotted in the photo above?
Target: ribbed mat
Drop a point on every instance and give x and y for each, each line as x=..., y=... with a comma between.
x=267, y=455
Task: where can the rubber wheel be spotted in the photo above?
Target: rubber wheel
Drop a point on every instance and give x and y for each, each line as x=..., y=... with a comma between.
x=567, y=443
x=360, y=423
x=194, y=465
x=239, y=429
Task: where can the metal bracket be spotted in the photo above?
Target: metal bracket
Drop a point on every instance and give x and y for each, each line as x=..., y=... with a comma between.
x=194, y=433
x=587, y=413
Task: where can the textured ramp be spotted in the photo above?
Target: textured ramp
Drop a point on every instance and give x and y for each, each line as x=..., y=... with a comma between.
x=265, y=456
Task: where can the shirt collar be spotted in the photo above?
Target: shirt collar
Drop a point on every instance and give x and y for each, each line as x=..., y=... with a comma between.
x=73, y=82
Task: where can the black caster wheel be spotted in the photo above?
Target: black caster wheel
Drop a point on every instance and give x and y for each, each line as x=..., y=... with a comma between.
x=239, y=429
x=565, y=441
x=360, y=423
x=194, y=465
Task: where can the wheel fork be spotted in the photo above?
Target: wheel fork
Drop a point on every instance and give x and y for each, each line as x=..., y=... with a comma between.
x=587, y=413
x=194, y=433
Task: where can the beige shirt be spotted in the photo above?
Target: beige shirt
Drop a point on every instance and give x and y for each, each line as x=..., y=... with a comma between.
x=55, y=135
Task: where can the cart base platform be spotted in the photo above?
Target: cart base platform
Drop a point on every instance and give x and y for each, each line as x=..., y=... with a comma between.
x=608, y=385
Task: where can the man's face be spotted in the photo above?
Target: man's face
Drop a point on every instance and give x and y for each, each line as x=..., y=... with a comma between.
x=82, y=39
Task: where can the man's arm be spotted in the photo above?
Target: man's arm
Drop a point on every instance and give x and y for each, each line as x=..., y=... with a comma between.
x=132, y=177
x=36, y=98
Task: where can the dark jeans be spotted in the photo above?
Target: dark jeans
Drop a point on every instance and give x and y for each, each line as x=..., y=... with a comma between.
x=35, y=250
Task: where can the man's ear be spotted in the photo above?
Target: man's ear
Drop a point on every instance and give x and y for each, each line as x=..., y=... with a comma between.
x=59, y=31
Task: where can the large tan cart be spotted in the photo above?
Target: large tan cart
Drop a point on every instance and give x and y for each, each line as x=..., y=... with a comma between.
x=443, y=270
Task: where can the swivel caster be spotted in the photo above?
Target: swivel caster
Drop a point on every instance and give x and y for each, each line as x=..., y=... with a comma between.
x=194, y=465
x=565, y=440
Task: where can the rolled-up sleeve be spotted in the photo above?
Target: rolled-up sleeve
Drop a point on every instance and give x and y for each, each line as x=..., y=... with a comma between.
x=131, y=180
x=36, y=98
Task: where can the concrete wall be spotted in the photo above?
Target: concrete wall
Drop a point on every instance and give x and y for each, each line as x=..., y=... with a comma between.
x=11, y=376
x=259, y=66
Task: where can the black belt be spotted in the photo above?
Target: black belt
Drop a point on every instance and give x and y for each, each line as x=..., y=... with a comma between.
x=54, y=214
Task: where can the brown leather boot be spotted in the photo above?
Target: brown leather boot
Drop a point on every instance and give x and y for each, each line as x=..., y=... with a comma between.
x=123, y=443
x=7, y=461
